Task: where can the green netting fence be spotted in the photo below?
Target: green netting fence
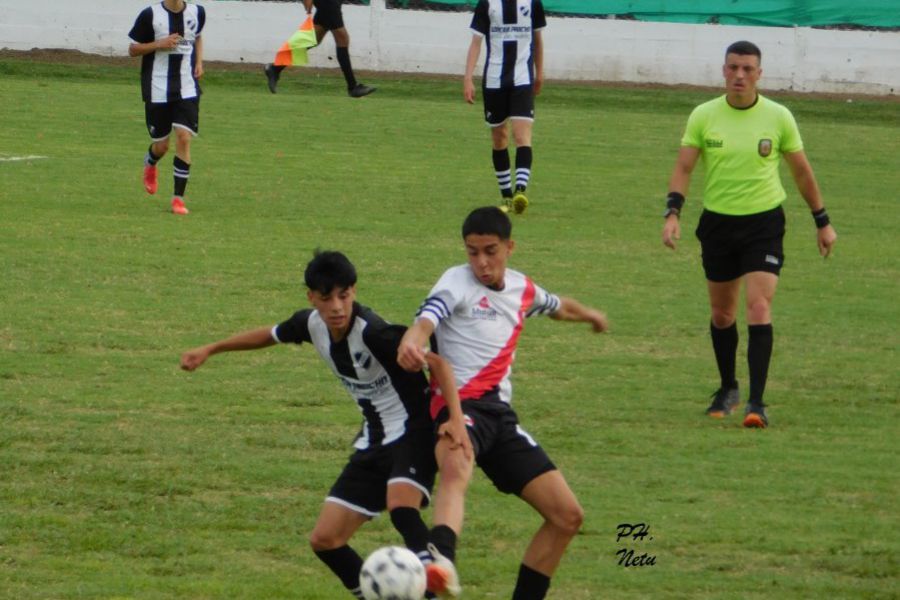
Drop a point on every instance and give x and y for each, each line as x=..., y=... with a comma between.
x=782, y=13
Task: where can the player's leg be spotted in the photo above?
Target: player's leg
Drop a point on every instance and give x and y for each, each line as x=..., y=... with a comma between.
x=521, y=128
x=550, y=495
x=760, y=290
x=500, y=158
x=159, y=126
x=334, y=528
x=521, y=111
x=186, y=125
x=455, y=472
x=722, y=266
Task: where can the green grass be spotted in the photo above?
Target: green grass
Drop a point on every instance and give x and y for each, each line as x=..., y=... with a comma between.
x=123, y=477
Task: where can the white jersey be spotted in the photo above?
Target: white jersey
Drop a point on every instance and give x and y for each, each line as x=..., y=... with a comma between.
x=477, y=328
x=168, y=75
x=508, y=26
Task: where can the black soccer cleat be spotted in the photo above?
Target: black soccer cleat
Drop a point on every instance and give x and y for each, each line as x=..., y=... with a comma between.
x=272, y=77
x=755, y=415
x=724, y=401
x=359, y=90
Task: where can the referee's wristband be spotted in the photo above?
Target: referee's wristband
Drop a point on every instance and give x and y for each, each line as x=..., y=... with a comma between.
x=674, y=202
x=821, y=218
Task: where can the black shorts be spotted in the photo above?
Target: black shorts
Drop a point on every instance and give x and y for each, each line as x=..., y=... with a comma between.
x=501, y=104
x=162, y=116
x=328, y=14
x=505, y=452
x=735, y=245
x=362, y=485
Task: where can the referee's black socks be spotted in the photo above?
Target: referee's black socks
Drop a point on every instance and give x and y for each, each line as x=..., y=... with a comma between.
x=759, y=353
x=725, y=343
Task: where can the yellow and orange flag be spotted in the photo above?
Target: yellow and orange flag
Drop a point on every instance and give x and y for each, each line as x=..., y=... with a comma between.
x=293, y=51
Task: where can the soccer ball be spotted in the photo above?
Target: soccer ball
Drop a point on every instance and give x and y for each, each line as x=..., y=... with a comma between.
x=392, y=573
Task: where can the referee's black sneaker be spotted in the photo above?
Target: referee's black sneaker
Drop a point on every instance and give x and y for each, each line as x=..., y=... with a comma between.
x=724, y=401
x=755, y=415
x=272, y=77
x=359, y=90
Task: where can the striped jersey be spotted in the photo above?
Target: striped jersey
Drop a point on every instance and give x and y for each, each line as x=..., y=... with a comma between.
x=391, y=400
x=168, y=75
x=508, y=26
x=477, y=328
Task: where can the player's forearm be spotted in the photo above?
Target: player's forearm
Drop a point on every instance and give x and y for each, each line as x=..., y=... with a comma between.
x=446, y=380
x=198, y=50
x=137, y=49
x=539, y=55
x=418, y=334
x=809, y=189
x=472, y=57
x=248, y=340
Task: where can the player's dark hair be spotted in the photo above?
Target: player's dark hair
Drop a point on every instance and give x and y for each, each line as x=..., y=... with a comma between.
x=487, y=220
x=744, y=48
x=329, y=270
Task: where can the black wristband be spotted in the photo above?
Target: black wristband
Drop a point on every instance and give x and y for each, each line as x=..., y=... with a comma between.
x=675, y=200
x=821, y=218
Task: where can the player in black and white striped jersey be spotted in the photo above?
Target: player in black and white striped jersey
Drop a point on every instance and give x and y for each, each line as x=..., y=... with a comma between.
x=393, y=466
x=513, y=76
x=167, y=37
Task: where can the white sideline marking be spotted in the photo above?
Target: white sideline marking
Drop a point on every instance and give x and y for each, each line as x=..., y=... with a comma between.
x=17, y=158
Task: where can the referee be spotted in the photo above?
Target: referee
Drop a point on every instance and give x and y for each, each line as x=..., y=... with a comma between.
x=741, y=137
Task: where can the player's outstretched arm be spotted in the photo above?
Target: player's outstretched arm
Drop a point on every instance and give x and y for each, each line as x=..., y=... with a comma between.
x=455, y=426
x=248, y=340
x=573, y=310
x=411, y=352
x=809, y=188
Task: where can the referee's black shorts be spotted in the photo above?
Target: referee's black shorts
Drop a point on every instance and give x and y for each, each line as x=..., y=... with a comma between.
x=733, y=246
x=328, y=14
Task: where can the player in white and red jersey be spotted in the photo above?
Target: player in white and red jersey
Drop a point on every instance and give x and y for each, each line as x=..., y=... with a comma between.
x=476, y=313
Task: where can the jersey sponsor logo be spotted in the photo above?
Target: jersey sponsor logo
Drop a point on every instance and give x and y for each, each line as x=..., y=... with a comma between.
x=360, y=386
x=714, y=143
x=484, y=311
x=764, y=147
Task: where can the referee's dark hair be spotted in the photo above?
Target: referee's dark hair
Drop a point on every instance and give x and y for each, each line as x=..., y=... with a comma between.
x=744, y=48
x=329, y=270
x=487, y=220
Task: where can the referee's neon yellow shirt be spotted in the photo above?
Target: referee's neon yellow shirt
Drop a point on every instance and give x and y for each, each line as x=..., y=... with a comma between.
x=741, y=150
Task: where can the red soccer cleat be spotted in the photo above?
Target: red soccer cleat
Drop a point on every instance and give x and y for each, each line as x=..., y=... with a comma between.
x=178, y=206
x=150, y=179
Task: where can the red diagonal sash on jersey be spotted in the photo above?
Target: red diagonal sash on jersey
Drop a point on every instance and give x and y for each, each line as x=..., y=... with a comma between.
x=492, y=374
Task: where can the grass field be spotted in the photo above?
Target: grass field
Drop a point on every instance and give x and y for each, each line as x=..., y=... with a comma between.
x=123, y=477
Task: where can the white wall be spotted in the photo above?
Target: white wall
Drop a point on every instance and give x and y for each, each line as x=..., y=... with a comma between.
x=801, y=59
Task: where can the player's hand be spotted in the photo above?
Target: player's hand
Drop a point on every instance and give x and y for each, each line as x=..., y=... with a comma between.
x=169, y=42
x=598, y=321
x=198, y=70
x=825, y=238
x=671, y=231
x=469, y=90
x=192, y=359
x=456, y=432
x=538, y=84
x=411, y=357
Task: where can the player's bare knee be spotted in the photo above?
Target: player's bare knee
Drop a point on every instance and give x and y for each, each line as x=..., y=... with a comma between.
x=759, y=311
x=321, y=540
x=722, y=318
x=568, y=519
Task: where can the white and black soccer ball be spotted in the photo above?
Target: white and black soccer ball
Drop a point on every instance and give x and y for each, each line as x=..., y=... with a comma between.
x=392, y=573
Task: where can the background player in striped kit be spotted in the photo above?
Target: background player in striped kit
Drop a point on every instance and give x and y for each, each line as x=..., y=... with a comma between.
x=167, y=36
x=328, y=17
x=513, y=76
x=393, y=466
x=477, y=311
